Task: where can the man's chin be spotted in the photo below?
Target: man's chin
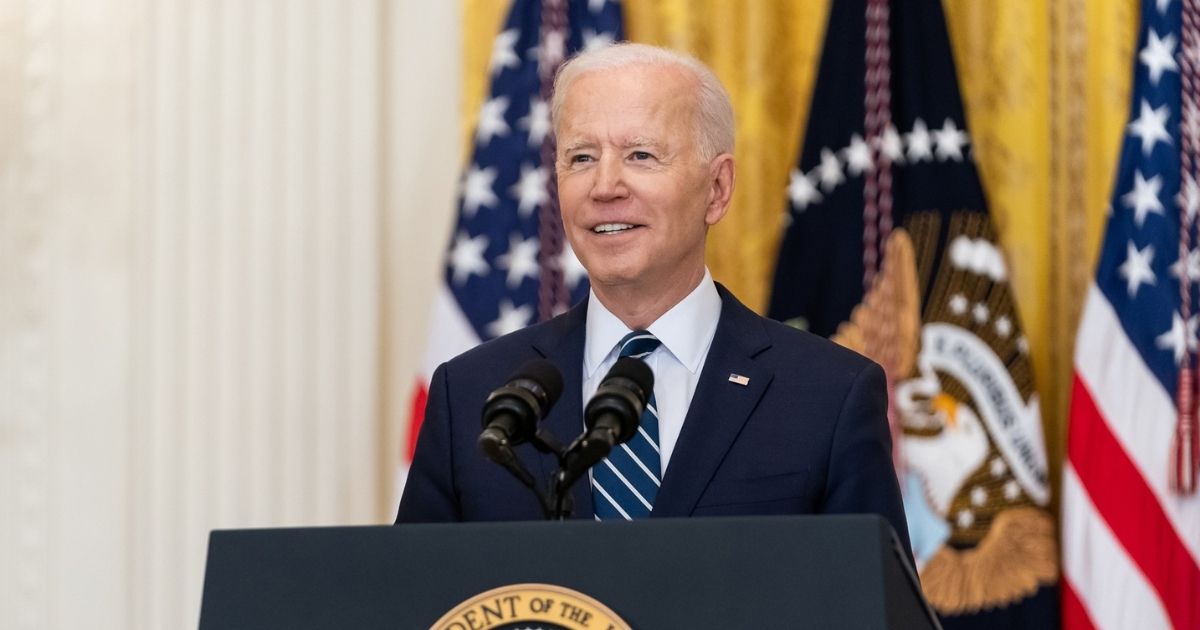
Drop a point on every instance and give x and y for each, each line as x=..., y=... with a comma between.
x=614, y=279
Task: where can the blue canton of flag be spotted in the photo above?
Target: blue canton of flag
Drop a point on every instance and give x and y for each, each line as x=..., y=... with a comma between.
x=1139, y=267
x=492, y=266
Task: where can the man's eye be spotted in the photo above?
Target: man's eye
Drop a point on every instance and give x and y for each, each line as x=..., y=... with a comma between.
x=641, y=155
x=577, y=159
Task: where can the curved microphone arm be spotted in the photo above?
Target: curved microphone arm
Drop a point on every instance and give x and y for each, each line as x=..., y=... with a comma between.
x=502, y=453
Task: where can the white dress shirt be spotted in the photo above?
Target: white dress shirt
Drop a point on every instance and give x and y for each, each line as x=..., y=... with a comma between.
x=686, y=332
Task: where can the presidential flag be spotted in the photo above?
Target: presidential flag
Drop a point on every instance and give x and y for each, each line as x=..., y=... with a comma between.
x=1131, y=514
x=508, y=265
x=890, y=250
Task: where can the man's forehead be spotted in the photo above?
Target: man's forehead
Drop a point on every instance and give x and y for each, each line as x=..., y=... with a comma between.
x=589, y=129
x=641, y=89
x=641, y=74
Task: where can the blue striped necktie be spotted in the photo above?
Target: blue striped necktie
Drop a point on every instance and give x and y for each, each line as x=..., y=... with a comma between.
x=625, y=484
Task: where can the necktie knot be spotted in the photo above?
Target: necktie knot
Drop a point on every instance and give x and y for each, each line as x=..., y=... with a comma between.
x=638, y=344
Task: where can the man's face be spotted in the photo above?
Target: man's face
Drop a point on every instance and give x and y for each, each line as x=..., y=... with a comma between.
x=636, y=194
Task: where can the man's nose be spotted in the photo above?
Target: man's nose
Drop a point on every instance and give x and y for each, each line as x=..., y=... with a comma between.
x=610, y=179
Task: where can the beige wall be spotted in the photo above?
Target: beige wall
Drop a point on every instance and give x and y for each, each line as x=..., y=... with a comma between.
x=220, y=224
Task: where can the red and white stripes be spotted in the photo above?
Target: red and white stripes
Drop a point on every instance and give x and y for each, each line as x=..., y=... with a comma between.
x=1131, y=545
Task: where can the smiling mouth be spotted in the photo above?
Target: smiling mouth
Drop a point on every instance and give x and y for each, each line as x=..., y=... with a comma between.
x=612, y=228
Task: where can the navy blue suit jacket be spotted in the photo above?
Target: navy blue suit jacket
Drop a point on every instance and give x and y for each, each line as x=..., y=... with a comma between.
x=807, y=434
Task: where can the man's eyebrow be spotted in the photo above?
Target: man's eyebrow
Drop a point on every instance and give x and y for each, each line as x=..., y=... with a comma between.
x=578, y=145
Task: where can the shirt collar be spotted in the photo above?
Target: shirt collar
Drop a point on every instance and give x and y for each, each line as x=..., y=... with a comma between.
x=685, y=331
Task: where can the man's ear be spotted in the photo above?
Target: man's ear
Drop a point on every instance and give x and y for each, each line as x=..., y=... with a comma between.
x=721, y=180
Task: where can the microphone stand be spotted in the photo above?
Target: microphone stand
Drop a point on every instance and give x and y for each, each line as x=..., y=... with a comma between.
x=558, y=502
x=573, y=461
x=502, y=453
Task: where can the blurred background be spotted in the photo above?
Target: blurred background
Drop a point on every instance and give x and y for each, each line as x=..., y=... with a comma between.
x=223, y=222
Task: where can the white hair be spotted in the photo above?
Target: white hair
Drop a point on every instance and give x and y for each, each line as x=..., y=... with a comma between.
x=714, y=112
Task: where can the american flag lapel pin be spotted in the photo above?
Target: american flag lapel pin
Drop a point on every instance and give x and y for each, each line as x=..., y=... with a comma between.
x=739, y=379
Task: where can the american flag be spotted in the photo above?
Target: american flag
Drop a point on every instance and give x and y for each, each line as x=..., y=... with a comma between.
x=1131, y=517
x=507, y=265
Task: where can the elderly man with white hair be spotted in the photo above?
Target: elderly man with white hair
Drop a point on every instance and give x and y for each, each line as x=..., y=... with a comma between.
x=747, y=416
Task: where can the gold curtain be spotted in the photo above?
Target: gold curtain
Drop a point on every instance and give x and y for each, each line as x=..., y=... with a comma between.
x=1046, y=91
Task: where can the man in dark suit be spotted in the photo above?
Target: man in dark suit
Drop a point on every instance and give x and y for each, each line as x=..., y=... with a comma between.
x=750, y=416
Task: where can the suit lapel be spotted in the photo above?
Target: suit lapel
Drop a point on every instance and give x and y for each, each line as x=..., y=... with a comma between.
x=562, y=345
x=719, y=407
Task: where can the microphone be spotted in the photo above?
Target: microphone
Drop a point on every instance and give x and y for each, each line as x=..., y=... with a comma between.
x=511, y=412
x=615, y=410
x=611, y=417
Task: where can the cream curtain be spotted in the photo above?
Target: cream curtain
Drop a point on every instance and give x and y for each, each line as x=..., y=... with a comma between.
x=220, y=227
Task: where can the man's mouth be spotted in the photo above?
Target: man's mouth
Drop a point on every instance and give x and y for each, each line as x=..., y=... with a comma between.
x=612, y=228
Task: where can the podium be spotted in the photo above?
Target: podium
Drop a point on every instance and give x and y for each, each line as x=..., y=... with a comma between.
x=655, y=574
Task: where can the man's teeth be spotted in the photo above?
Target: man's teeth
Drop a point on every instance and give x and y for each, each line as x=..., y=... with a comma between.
x=611, y=227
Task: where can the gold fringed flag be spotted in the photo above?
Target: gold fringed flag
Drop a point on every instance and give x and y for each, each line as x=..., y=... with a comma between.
x=890, y=250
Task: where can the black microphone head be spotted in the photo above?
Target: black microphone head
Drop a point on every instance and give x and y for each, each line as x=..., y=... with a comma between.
x=639, y=375
x=543, y=379
x=516, y=406
x=621, y=398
